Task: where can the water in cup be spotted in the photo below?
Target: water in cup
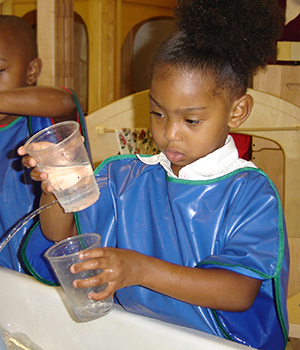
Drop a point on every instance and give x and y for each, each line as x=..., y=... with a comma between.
x=87, y=309
x=93, y=309
x=75, y=186
x=62, y=256
x=60, y=152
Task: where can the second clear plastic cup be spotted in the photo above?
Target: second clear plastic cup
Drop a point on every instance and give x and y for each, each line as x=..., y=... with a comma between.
x=62, y=256
x=60, y=152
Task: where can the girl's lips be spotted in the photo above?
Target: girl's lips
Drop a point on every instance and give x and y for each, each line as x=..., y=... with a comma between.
x=174, y=156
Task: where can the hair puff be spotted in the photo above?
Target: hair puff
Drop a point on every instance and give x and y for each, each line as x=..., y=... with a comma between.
x=244, y=32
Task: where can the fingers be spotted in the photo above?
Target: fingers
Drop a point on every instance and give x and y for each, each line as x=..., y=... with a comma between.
x=100, y=296
x=21, y=151
x=86, y=265
x=41, y=176
x=97, y=280
x=35, y=174
x=38, y=175
x=103, y=295
x=98, y=258
x=95, y=253
x=90, y=282
x=46, y=187
x=28, y=162
x=93, y=263
x=121, y=268
x=100, y=279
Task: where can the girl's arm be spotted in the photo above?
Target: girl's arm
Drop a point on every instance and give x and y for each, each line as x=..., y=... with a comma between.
x=211, y=288
x=39, y=101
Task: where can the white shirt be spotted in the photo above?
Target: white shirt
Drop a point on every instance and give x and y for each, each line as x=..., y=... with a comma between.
x=292, y=10
x=216, y=164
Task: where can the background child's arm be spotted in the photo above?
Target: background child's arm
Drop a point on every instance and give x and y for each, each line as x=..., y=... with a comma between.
x=55, y=223
x=38, y=101
x=212, y=288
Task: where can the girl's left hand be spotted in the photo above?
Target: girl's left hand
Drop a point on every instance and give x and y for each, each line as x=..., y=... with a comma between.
x=121, y=268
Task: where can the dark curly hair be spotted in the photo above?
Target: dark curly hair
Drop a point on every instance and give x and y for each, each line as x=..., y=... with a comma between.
x=227, y=39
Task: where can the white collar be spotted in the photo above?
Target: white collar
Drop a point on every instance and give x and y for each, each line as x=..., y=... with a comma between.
x=218, y=163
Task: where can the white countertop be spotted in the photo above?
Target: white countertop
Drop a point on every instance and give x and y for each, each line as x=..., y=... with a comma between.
x=42, y=312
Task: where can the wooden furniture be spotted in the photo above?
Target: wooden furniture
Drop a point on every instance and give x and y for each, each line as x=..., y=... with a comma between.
x=280, y=80
x=132, y=112
x=283, y=81
x=111, y=28
x=55, y=36
x=6, y=7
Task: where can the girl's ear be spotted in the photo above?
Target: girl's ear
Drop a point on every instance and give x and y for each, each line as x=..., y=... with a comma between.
x=241, y=111
x=34, y=70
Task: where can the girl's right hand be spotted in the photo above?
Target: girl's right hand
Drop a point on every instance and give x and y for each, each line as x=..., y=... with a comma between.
x=35, y=174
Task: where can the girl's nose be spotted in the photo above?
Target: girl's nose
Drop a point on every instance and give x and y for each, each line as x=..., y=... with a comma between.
x=172, y=131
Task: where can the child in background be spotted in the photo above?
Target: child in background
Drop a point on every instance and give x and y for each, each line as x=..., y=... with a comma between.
x=193, y=236
x=24, y=110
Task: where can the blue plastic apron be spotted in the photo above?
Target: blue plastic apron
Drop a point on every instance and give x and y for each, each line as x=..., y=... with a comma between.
x=234, y=222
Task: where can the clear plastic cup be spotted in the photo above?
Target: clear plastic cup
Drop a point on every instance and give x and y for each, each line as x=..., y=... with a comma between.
x=62, y=256
x=60, y=152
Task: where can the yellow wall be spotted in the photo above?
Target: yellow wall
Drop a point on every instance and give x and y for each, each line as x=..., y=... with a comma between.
x=82, y=8
x=21, y=7
x=135, y=13
x=132, y=12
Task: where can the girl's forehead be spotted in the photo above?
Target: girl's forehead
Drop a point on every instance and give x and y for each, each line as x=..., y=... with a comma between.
x=184, y=76
x=167, y=70
x=184, y=82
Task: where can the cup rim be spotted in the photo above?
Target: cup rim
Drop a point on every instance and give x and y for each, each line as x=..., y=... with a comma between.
x=53, y=126
x=66, y=240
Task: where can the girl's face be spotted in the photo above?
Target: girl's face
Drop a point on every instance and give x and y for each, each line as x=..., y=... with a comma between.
x=188, y=121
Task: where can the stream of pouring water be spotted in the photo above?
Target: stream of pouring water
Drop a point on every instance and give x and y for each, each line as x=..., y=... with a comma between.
x=23, y=222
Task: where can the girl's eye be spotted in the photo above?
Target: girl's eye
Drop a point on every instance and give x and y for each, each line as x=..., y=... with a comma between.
x=192, y=122
x=157, y=114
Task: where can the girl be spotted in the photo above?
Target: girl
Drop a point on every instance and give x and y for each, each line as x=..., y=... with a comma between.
x=193, y=236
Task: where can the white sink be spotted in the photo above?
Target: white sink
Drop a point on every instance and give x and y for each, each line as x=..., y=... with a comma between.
x=42, y=313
